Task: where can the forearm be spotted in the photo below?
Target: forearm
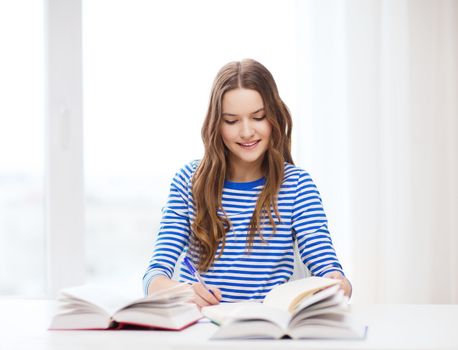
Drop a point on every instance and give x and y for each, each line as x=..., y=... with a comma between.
x=160, y=283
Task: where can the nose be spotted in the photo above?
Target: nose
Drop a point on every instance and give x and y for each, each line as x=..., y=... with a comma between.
x=246, y=130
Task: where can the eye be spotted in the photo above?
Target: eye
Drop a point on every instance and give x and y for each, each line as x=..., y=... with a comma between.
x=230, y=122
x=260, y=118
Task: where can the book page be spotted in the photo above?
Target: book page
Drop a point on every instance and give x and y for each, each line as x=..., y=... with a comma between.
x=287, y=296
x=249, y=330
x=318, y=331
x=320, y=296
x=337, y=299
x=234, y=312
x=166, y=298
x=98, y=296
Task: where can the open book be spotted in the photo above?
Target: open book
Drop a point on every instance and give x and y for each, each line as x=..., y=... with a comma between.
x=95, y=307
x=313, y=307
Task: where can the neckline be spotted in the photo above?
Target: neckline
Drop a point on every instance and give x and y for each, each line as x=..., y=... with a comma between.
x=244, y=185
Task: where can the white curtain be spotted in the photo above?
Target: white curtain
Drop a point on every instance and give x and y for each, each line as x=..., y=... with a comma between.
x=377, y=127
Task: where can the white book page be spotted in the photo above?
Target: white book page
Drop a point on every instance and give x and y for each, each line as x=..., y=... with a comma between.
x=233, y=312
x=253, y=330
x=167, y=298
x=224, y=311
x=333, y=319
x=326, y=332
x=317, y=297
x=286, y=296
x=175, y=318
x=320, y=313
x=99, y=297
x=338, y=299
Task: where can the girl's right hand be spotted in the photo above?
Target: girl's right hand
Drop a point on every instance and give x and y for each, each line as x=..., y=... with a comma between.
x=202, y=297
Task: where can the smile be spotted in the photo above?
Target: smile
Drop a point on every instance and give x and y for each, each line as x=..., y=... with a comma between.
x=249, y=145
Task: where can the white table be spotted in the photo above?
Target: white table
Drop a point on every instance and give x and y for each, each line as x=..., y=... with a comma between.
x=23, y=325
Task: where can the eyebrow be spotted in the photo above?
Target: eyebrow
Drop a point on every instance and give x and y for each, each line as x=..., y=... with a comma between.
x=236, y=115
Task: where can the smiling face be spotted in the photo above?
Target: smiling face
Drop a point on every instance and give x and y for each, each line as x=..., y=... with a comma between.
x=245, y=132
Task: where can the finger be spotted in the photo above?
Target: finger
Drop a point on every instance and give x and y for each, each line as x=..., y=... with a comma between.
x=343, y=280
x=334, y=275
x=345, y=286
x=205, y=294
x=348, y=288
x=199, y=301
x=216, y=292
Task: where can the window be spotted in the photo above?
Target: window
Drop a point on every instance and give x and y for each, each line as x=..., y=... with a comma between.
x=22, y=235
x=148, y=70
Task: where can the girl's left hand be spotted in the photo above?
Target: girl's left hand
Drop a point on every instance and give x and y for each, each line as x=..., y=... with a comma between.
x=344, y=282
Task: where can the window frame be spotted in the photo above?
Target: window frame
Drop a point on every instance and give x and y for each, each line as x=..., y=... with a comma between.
x=64, y=189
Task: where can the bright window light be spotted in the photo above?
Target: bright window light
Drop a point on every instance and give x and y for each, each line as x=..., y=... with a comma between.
x=22, y=239
x=148, y=70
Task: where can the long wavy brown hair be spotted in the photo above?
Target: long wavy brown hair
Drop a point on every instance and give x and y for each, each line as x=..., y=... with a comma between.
x=209, y=229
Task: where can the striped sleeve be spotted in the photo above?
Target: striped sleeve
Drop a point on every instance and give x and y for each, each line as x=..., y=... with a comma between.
x=174, y=230
x=311, y=228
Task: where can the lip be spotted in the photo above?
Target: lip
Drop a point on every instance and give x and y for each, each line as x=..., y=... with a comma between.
x=249, y=145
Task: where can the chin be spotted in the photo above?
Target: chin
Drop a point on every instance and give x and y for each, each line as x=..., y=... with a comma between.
x=253, y=159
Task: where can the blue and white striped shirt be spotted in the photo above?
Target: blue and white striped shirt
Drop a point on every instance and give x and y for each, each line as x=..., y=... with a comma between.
x=242, y=275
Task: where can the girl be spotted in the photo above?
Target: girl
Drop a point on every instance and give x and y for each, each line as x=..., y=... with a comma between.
x=237, y=212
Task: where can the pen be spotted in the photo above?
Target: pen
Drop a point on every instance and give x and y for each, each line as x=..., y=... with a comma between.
x=194, y=271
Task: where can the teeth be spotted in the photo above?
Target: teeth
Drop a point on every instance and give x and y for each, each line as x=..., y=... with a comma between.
x=249, y=144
